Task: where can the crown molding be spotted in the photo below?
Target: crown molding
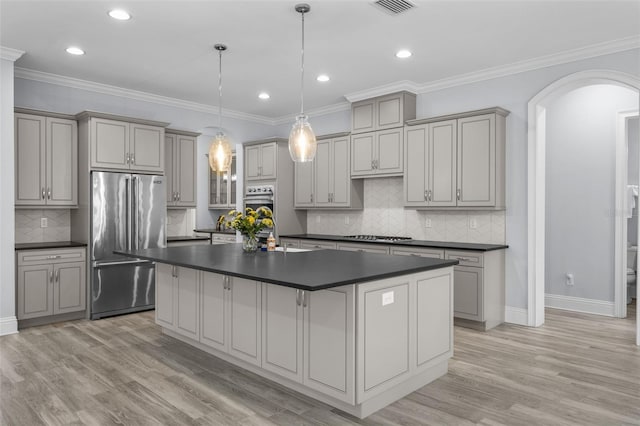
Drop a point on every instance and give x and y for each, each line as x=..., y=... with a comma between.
x=106, y=89
x=317, y=112
x=398, y=86
x=9, y=54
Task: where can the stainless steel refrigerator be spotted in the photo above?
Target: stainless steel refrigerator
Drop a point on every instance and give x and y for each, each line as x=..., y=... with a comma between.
x=128, y=212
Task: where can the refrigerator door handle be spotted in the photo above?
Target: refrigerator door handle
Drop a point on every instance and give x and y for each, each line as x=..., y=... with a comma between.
x=134, y=211
x=123, y=262
x=127, y=215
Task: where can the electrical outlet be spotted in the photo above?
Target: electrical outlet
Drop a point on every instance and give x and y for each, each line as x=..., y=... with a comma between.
x=473, y=223
x=569, y=280
x=346, y=219
x=427, y=223
x=44, y=222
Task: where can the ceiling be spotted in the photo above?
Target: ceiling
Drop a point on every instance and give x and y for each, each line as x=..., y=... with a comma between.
x=167, y=47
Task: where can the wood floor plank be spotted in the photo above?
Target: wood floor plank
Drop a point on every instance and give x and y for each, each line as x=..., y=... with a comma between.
x=577, y=369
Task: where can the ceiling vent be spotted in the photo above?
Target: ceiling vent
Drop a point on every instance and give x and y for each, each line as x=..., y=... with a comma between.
x=394, y=7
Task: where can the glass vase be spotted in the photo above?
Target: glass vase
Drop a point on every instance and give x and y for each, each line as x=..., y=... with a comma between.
x=249, y=244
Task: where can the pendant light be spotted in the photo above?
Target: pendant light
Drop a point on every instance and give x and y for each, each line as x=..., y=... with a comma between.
x=220, y=155
x=302, y=140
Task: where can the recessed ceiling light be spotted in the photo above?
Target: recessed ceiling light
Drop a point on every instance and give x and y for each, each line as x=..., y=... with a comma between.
x=403, y=54
x=323, y=78
x=264, y=95
x=75, y=50
x=119, y=14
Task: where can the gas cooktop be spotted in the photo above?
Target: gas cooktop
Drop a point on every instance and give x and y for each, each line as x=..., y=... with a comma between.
x=376, y=238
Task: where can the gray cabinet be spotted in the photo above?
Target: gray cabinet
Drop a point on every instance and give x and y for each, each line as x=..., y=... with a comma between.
x=456, y=161
x=180, y=168
x=385, y=112
x=365, y=248
x=309, y=337
x=316, y=245
x=377, y=154
x=123, y=145
x=260, y=161
x=50, y=282
x=222, y=187
x=326, y=182
x=46, y=161
x=177, y=297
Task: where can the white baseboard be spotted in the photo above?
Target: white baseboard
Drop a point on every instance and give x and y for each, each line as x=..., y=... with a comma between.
x=578, y=304
x=8, y=325
x=518, y=316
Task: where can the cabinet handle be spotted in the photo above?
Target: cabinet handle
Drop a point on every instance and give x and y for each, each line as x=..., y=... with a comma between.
x=304, y=299
x=426, y=195
x=57, y=256
x=178, y=196
x=416, y=255
x=429, y=195
x=133, y=159
x=51, y=276
x=43, y=193
x=297, y=297
x=228, y=283
x=58, y=275
x=311, y=199
x=128, y=159
x=48, y=193
x=458, y=194
x=372, y=165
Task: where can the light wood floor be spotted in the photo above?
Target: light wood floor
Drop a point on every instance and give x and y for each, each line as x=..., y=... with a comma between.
x=575, y=370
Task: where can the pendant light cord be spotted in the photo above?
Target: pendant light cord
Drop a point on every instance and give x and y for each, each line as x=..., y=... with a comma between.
x=220, y=92
x=302, y=71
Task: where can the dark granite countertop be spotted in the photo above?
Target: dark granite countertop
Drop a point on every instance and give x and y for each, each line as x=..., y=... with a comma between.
x=409, y=243
x=312, y=270
x=187, y=238
x=49, y=245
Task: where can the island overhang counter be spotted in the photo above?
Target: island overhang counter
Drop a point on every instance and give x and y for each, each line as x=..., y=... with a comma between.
x=357, y=331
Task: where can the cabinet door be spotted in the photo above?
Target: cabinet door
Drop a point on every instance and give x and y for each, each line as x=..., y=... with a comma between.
x=477, y=161
x=442, y=164
x=282, y=331
x=340, y=177
x=213, y=310
x=62, y=162
x=317, y=245
x=30, y=163
x=164, y=295
x=187, y=302
x=420, y=252
x=329, y=339
x=233, y=179
x=365, y=248
x=389, y=112
x=363, y=116
x=324, y=170
x=468, y=293
x=35, y=291
x=268, y=166
x=252, y=162
x=389, y=156
x=244, y=321
x=186, y=150
x=69, y=288
x=362, y=153
x=433, y=305
x=304, y=182
x=169, y=167
x=147, y=148
x=415, y=175
x=109, y=144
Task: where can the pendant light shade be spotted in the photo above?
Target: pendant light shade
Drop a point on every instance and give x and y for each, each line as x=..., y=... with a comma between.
x=302, y=140
x=220, y=154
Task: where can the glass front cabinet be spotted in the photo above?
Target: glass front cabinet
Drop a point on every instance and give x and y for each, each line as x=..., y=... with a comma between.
x=222, y=187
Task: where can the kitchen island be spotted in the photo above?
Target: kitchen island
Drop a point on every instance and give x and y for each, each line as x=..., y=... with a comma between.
x=357, y=331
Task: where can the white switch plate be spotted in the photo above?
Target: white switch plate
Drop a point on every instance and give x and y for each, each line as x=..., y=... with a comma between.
x=387, y=298
x=570, y=280
x=44, y=222
x=473, y=223
x=427, y=223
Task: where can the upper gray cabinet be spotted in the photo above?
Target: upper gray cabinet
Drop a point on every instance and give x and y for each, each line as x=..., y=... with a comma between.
x=377, y=134
x=385, y=112
x=261, y=161
x=121, y=143
x=46, y=161
x=325, y=182
x=456, y=161
x=180, y=168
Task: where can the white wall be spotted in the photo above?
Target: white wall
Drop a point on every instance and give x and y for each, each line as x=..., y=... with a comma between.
x=510, y=92
x=580, y=191
x=8, y=322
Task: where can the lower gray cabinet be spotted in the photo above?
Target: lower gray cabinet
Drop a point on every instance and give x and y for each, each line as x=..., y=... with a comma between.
x=177, y=297
x=467, y=294
x=50, y=282
x=367, y=248
x=244, y=302
x=309, y=337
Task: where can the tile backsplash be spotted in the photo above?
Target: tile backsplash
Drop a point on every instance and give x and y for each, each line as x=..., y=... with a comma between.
x=383, y=214
x=28, y=228
x=180, y=222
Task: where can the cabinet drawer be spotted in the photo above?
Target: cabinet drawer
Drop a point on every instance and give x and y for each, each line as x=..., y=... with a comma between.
x=37, y=257
x=367, y=248
x=402, y=251
x=290, y=242
x=465, y=258
x=317, y=245
x=224, y=238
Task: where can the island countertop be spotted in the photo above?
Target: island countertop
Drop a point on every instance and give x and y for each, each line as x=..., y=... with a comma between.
x=312, y=270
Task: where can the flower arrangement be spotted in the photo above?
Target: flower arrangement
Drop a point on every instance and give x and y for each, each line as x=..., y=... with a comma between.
x=252, y=222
